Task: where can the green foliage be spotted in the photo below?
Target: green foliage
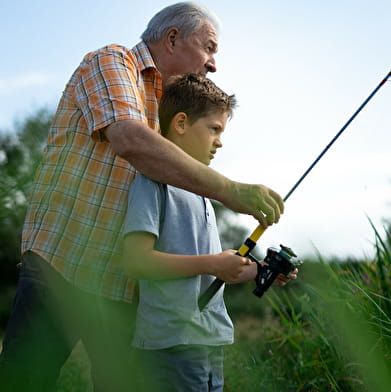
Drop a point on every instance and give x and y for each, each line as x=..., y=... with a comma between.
x=19, y=155
x=331, y=332
x=75, y=374
x=20, y=152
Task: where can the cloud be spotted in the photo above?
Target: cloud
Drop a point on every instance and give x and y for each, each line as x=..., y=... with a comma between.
x=26, y=80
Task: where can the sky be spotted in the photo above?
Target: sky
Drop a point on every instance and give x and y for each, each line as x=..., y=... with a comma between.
x=299, y=70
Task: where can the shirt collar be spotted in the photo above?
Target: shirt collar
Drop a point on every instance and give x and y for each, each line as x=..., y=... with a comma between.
x=143, y=56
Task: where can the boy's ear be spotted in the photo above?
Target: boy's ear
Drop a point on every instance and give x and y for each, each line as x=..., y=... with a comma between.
x=179, y=123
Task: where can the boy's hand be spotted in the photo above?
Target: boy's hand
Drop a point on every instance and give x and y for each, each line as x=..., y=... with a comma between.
x=250, y=270
x=282, y=279
x=228, y=265
x=261, y=202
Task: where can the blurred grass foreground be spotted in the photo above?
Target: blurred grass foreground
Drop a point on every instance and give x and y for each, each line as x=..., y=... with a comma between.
x=329, y=331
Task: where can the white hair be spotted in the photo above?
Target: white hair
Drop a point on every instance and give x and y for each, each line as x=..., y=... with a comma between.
x=188, y=17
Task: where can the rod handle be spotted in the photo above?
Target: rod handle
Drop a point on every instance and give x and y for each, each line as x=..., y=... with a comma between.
x=244, y=250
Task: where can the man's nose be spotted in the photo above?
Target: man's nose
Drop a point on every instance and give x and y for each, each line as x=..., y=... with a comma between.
x=211, y=65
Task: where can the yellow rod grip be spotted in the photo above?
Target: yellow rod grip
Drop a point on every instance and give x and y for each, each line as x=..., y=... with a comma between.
x=255, y=235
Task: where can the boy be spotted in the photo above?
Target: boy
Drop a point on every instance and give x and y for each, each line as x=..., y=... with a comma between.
x=173, y=238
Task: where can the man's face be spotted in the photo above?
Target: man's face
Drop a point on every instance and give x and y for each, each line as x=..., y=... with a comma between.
x=195, y=54
x=202, y=138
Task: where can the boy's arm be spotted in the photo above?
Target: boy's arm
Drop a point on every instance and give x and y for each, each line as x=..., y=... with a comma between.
x=141, y=261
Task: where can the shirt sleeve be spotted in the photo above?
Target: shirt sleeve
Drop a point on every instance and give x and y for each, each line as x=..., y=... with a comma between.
x=108, y=88
x=145, y=206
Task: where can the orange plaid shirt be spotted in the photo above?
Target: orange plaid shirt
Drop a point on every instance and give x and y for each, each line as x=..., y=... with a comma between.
x=79, y=195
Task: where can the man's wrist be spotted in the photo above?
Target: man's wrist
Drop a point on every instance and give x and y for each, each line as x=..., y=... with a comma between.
x=227, y=191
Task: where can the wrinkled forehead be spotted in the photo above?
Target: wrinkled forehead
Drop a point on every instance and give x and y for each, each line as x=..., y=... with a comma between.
x=208, y=34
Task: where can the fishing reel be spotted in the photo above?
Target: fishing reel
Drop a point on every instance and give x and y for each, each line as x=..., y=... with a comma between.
x=277, y=262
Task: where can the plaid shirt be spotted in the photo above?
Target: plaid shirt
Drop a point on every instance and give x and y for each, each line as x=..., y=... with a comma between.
x=79, y=195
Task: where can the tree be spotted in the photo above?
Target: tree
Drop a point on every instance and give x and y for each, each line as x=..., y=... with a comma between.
x=20, y=153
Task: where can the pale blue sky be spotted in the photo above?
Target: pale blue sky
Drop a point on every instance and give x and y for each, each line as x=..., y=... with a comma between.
x=299, y=70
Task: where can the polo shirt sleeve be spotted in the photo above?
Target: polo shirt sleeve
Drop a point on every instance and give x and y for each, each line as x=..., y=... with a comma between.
x=145, y=206
x=108, y=88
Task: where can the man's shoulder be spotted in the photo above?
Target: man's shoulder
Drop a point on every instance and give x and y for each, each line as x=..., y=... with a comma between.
x=139, y=55
x=110, y=50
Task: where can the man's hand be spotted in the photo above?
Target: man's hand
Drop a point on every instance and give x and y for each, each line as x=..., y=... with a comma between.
x=261, y=202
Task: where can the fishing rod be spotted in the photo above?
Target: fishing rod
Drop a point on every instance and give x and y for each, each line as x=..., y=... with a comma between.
x=278, y=261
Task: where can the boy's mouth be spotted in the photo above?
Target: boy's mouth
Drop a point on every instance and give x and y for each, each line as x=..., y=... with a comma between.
x=212, y=154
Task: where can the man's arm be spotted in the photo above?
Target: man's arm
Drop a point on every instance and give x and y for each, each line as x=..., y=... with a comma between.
x=161, y=160
x=141, y=261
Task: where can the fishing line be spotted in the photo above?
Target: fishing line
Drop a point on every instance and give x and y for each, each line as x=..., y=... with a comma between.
x=251, y=241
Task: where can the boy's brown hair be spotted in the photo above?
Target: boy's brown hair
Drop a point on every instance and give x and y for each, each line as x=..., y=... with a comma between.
x=194, y=95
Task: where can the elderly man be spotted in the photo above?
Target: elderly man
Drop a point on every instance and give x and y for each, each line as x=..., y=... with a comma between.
x=72, y=285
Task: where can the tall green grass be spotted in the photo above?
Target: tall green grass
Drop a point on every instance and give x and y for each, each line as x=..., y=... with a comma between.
x=329, y=333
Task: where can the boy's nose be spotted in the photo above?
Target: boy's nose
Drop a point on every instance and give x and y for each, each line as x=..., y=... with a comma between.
x=218, y=143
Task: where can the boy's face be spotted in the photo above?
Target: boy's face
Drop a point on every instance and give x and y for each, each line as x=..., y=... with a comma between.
x=202, y=138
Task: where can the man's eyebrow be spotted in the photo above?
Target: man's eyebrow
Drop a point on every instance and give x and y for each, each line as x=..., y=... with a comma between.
x=214, y=44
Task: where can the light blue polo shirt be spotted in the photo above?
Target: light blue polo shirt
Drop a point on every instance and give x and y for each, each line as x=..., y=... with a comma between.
x=183, y=223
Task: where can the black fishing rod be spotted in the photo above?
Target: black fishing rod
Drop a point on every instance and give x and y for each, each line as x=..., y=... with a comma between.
x=279, y=261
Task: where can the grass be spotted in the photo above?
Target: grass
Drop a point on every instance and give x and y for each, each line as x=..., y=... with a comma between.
x=75, y=374
x=329, y=331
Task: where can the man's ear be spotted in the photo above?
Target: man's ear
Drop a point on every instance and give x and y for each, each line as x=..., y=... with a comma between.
x=178, y=123
x=171, y=37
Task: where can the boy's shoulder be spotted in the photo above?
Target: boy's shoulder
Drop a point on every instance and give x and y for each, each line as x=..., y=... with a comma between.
x=143, y=184
x=141, y=179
